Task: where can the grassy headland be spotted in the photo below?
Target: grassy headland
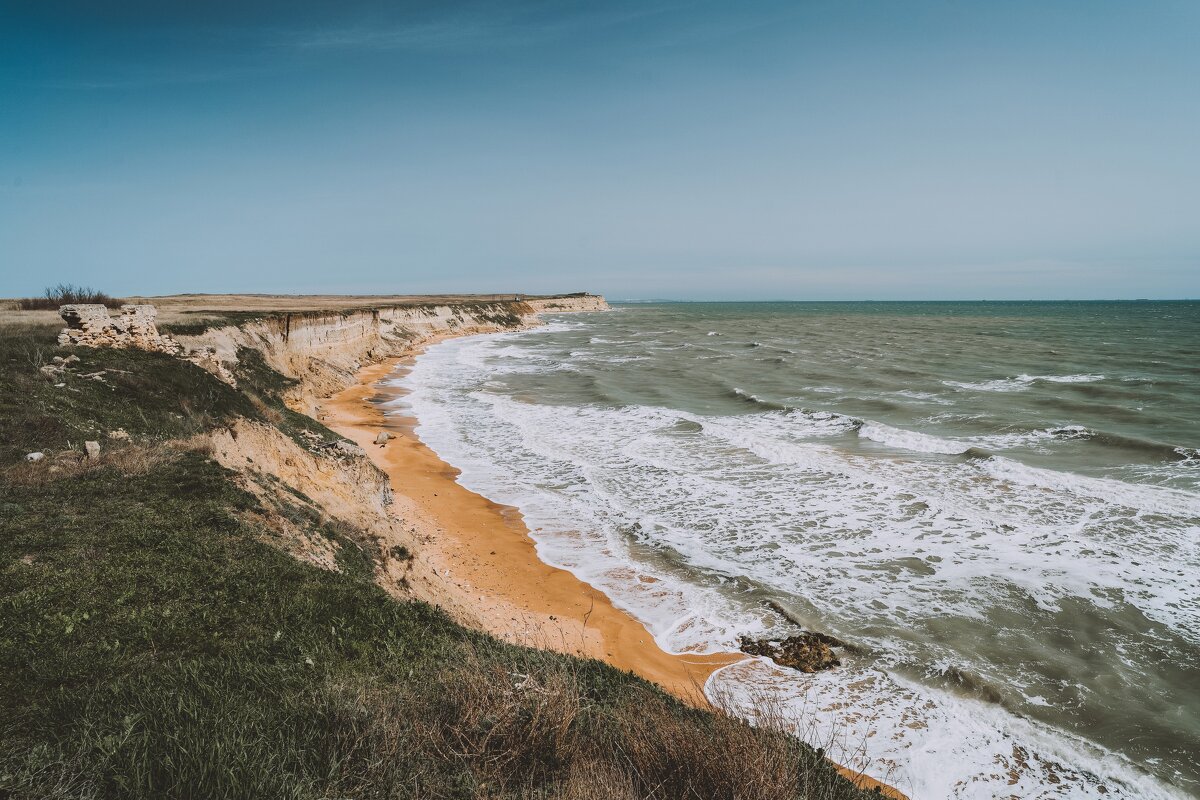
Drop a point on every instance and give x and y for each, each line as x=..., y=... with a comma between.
x=154, y=642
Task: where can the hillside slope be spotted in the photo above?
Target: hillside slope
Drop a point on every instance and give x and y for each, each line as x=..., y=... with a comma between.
x=207, y=608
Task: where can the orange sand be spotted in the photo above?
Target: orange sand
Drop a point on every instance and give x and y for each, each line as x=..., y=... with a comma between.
x=487, y=572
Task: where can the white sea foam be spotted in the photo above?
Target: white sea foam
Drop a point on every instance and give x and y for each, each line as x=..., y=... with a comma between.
x=917, y=442
x=668, y=518
x=1141, y=499
x=1020, y=383
x=910, y=440
x=924, y=397
x=925, y=741
x=1035, y=440
x=1061, y=378
x=1189, y=456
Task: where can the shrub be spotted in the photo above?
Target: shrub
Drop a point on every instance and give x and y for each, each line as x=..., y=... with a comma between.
x=66, y=294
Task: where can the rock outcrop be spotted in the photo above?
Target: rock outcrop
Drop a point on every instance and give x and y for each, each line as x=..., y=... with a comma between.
x=808, y=651
x=89, y=325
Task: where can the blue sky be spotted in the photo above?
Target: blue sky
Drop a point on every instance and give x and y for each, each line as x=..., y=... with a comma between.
x=800, y=150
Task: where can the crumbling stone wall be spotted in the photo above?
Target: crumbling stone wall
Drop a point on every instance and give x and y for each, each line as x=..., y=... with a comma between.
x=89, y=325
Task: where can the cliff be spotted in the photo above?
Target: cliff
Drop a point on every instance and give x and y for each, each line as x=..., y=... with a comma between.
x=322, y=350
x=317, y=354
x=165, y=627
x=285, y=362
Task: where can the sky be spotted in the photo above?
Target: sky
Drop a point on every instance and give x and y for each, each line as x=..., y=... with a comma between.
x=683, y=150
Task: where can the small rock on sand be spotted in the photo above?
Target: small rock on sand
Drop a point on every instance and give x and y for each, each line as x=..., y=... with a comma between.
x=383, y=437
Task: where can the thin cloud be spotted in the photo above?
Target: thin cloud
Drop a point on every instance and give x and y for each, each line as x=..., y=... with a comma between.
x=478, y=30
x=150, y=79
x=441, y=35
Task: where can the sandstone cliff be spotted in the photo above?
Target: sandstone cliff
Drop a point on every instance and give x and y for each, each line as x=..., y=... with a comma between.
x=289, y=361
x=324, y=350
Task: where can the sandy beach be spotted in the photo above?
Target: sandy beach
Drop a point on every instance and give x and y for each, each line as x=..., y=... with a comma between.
x=480, y=564
x=487, y=559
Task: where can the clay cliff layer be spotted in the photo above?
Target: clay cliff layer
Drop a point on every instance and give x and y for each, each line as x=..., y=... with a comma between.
x=324, y=350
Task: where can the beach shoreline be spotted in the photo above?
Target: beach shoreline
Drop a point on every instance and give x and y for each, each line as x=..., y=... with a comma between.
x=481, y=564
x=487, y=559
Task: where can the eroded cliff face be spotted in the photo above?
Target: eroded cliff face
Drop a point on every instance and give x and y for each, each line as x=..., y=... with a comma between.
x=324, y=351
x=320, y=496
x=310, y=478
x=335, y=480
x=342, y=488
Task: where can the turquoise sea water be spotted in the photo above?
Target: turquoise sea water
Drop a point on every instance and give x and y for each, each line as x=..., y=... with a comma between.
x=997, y=503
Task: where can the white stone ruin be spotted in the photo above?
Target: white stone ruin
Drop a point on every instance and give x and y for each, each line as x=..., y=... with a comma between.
x=89, y=325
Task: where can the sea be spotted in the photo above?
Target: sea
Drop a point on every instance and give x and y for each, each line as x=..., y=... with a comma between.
x=996, y=505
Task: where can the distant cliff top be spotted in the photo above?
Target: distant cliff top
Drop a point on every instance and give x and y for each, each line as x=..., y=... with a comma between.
x=326, y=302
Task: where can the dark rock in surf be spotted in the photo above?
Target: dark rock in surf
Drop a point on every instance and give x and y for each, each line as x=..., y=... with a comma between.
x=972, y=684
x=807, y=651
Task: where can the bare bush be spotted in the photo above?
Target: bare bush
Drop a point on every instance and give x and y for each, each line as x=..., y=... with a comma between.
x=66, y=294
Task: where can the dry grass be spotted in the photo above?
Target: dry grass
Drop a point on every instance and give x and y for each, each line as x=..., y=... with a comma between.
x=538, y=728
x=269, y=413
x=514, y=727
x=184, y=303
x=130, y=460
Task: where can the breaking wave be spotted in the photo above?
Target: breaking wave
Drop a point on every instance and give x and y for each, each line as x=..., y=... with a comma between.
x=1021, y=382
x=905, y=542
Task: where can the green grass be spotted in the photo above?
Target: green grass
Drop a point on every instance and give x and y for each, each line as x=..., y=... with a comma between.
x=256, y=378
x=152, y=396
x=198, y=322
x=154, y=634
x=154, y=645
